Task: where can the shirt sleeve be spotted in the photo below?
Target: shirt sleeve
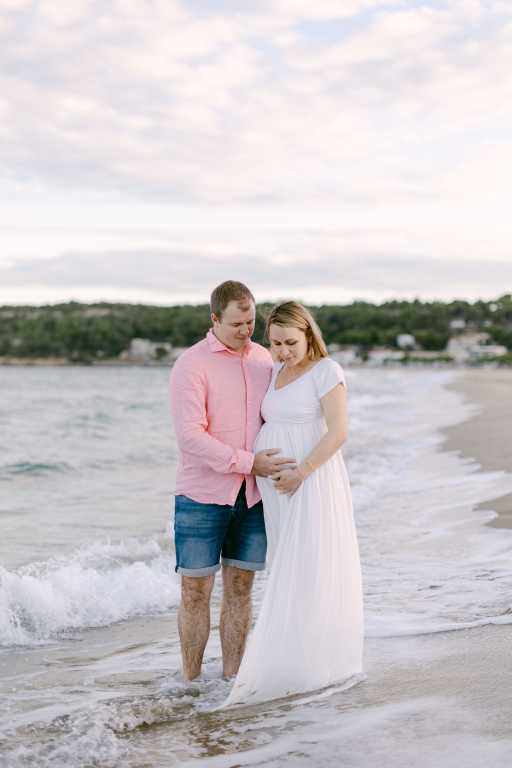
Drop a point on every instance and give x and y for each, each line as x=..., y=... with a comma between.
x=188, y=410
x=328, y=374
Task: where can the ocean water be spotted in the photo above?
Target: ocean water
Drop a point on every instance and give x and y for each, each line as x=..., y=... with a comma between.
x=89, y=653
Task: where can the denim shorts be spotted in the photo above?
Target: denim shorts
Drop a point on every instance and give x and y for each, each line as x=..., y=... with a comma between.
x=203, y=533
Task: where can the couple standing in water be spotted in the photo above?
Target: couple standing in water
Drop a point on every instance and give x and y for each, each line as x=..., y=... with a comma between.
x=261, y=480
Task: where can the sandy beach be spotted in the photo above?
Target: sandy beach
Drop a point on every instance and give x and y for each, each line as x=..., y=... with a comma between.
x=487, y=437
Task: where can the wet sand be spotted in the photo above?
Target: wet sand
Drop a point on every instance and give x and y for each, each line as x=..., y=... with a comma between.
x=428, y=700
x=487, y=437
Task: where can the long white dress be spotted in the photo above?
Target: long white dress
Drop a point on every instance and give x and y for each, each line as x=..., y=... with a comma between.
x=309, y=631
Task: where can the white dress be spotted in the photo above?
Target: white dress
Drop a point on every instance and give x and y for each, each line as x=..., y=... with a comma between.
x=309, y=632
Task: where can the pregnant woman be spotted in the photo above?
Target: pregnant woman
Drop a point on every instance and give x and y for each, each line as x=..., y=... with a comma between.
x=309, y=632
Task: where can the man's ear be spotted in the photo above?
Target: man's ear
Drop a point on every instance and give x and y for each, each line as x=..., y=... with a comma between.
x=214, y=318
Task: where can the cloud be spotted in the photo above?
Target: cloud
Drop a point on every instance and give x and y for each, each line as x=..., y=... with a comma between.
x=163, y=99
x=378, y=129
x=344, y=268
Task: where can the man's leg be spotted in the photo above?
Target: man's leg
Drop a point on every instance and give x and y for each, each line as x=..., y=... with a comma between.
x=199, y=530
x=194, y=621
x=235, y=617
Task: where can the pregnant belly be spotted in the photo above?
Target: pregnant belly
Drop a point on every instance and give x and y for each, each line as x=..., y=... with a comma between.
x=273, y=435
x=262, y=439
x=293, y=440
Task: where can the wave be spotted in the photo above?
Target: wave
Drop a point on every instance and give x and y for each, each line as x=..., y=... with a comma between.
x=386, y=629
x=95, y=586
x=103, y=734
x=34, y=468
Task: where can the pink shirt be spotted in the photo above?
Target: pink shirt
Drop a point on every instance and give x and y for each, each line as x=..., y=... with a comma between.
x=216, y=397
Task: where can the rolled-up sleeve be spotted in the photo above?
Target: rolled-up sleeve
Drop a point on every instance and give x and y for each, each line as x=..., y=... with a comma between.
x=188, y=409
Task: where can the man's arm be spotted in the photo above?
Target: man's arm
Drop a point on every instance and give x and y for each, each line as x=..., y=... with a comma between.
x=188, y=406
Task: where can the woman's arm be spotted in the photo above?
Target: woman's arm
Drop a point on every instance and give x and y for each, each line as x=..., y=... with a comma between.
x=334, y=407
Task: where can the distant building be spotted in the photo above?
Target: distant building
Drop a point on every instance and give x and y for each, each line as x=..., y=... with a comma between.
x=488, y=350
x=344, y=355
x=458, y=324
x=144, y=351
x=406, y=341
x=383, y=355
x=469, y=347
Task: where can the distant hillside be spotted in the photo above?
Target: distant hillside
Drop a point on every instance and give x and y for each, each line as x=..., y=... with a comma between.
x=87, y=332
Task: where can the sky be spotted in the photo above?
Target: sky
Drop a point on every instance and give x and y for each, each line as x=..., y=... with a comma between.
x=327, y=152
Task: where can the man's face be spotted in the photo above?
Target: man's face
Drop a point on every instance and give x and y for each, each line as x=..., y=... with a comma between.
x=236, y=325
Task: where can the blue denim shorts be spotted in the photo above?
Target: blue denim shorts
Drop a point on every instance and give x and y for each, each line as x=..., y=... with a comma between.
x=203, y=533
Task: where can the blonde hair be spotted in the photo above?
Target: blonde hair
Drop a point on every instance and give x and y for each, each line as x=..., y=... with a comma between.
x=291, y=314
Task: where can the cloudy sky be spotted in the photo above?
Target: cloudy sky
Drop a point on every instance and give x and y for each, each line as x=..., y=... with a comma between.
x=326, y=151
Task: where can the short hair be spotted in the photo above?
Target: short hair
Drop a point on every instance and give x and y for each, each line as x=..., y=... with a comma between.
x=291, y=314
x=228, y=291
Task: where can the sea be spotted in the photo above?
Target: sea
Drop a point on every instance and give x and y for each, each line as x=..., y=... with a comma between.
x=89, y=650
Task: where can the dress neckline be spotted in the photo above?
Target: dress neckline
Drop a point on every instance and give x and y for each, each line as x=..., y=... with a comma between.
x=278, y=389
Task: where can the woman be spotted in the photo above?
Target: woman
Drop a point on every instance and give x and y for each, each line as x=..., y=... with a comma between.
x=309, y=632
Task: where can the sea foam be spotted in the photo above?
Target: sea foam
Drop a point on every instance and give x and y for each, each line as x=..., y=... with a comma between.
x=98, y=585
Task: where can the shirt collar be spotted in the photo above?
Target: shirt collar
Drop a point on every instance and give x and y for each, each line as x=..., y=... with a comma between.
x=217, y=346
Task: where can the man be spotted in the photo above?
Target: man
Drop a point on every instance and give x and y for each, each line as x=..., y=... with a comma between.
x=216, y=391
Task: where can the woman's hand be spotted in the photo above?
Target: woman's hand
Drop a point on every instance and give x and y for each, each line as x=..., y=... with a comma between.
x=287, y=480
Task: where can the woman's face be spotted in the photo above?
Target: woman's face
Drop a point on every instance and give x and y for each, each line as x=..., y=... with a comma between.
x=288, y=345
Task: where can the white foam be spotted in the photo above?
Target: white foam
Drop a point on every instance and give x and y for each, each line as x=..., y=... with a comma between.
x=99, y=585
x=422, y=731
x=429, y=562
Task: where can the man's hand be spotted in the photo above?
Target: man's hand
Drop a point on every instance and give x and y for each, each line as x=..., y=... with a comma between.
x=266, y=463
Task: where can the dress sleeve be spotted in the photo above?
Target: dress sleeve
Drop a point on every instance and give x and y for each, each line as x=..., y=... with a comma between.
x=327, y=374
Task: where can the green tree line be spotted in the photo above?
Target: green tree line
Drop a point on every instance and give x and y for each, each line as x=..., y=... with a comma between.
x=78, y=331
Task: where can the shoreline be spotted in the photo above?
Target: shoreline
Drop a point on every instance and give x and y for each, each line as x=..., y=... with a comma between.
x=113, y=694
x=487, y=435
x=50, y=362
x=62, y=362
